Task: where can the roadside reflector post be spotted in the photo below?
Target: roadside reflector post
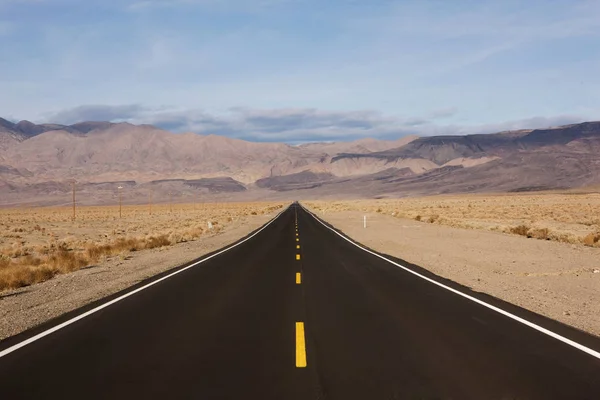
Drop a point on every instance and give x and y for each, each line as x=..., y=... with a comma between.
x=364, y=221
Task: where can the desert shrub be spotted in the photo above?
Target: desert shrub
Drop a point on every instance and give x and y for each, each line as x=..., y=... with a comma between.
x=591, y=239
x=433, y=218
x=522, y=230
x=94, y=252
x=16, y=276
x=541, y=233
x=67, y=261
x=157, y=241
x=176, y=237
x=4, y=261
x=30, y=261
x=130, y=244
x=418, y=218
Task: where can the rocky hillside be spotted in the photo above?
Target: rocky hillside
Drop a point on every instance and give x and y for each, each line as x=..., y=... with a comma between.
x=38, y=161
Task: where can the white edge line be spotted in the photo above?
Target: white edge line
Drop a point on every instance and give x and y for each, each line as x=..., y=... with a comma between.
x=94, y=310
x=563, y=339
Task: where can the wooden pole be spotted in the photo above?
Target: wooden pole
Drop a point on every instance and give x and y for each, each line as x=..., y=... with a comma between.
x=73, y=188
x=120, y=201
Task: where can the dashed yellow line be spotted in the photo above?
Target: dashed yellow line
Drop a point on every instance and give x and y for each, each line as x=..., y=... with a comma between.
x=297, y=246
x=298, y=278
x=297, y=256
x=297, y=240
x=300, y=346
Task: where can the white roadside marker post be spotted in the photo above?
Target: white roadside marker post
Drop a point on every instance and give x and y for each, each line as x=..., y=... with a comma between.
x=365, y=222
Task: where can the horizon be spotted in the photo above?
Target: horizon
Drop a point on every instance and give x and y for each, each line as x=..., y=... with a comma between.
x=299, y=143
x=300, y=70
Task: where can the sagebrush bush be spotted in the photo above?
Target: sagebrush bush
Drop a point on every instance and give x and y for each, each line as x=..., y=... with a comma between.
x=158, y=241
x=522, y=230
x=591, y=239
x=540, y=233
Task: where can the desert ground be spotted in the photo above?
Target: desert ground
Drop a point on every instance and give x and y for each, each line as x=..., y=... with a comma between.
x=572, y=217
x=492, y=244
x=118, y=267
x=538, y=251
x=39, y=243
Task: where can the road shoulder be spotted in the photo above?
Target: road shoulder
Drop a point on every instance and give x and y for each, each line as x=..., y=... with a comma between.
x=31, y=306
x=552, y=279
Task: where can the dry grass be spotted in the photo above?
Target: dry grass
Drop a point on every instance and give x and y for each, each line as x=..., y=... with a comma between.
x=569, y=217
x=592, y=239
x=38, y=243
x=522, y=230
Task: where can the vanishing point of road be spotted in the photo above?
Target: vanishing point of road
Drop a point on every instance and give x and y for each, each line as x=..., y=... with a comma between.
x=297, y=311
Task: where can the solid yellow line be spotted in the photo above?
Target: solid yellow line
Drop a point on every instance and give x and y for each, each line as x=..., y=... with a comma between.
x=297, y=256
x=300, y=346
x=298, y=278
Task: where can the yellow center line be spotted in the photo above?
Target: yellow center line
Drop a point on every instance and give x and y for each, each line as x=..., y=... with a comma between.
x=297, y=246
x=300, y=346
x=297, y=256
x=298, y=278
x=297, y=240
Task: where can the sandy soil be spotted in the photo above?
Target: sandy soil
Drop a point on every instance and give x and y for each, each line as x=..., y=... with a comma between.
x=569, y=217
x=558, y=280
x=30, y=306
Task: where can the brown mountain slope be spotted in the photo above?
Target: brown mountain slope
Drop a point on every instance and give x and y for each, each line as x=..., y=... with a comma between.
x=99, y=152
x=39, y=159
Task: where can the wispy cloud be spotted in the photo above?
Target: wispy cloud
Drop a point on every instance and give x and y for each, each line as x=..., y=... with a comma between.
x=238, y=5
x=295, y=125
x=442, y=113
x=409, y=60
x=114, y=113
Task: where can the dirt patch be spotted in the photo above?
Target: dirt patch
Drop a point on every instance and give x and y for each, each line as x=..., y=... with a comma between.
x=558, y=280
x=27, y=307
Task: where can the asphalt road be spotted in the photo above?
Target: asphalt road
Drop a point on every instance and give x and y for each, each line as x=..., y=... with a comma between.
x=269, y=320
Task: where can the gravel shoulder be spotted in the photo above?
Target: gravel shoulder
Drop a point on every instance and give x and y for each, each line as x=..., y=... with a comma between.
x=30, y=306
x=550, y=278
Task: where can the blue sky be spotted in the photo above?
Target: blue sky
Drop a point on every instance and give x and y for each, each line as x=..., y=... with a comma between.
x=303, y=70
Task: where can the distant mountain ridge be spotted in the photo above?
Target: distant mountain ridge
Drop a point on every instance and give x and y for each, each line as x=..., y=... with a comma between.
x=39, y=158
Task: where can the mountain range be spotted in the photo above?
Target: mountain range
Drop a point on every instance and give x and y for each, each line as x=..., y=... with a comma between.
x=38, y=161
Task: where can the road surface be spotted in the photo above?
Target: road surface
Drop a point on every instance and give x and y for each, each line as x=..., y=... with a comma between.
x=298, y=312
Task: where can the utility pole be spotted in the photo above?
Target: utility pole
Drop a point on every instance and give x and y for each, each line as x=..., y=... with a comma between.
x=171, y=202
x=150, y=201
x=120, y=200
x=73, y=190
